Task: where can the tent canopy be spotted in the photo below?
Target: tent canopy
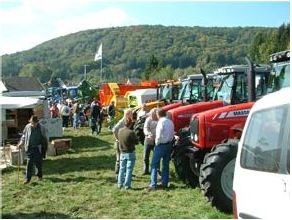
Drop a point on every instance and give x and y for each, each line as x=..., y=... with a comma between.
x=19, y=102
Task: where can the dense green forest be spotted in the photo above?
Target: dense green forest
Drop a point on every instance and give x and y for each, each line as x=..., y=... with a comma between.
x=155, y=52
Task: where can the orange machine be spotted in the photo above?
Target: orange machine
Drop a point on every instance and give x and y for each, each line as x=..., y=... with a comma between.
x=116, y=91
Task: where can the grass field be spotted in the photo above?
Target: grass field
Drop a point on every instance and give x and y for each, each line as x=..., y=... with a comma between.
x=81, y=184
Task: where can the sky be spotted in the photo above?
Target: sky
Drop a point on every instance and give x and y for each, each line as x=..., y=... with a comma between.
x=27, y=23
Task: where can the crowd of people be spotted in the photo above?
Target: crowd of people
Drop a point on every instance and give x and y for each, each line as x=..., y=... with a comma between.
x=75, y=114
x=158, y=131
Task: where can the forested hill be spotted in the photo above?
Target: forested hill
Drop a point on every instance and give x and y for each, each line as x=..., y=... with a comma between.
x=127, y=52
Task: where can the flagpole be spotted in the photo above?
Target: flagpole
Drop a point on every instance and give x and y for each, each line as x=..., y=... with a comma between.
x=85, y=70
x=101, y=70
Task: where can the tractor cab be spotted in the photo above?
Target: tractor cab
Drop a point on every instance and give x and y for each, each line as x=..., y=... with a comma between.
x=196, y=88
x=280, y=74
x=231, y=86
x=169, y=90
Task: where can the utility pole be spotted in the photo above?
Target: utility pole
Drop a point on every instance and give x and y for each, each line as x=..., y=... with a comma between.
x=85, y=65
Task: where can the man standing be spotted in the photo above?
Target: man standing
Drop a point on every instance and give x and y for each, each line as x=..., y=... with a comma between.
x=127, y=140
x=128, y=115
x=34, y=139
x=111, y=114
x=142, y=112
x=65, y=113
x=149, y=142
x=162, y=150
x=76, y=111
x=95, y=117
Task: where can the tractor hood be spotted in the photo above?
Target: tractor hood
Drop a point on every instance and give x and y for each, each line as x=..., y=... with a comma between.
x=181, y=115
x=215, y=125
x=172, y=106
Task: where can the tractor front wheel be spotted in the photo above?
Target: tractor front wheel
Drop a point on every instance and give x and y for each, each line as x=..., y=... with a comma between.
x=216, y=175
x=183, y=170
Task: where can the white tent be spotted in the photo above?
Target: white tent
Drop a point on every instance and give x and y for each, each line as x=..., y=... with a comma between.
x=54, y=125
x=19, y=102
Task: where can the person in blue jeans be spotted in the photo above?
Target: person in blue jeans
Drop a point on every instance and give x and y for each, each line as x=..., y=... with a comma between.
x=162, y=150
x=127, y=141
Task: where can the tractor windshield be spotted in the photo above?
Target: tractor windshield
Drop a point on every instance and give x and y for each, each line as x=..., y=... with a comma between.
x=190, y=90
x=182, y=91
x=234, y=87
x=223, y=91
x=280, y=76
x=166, y=92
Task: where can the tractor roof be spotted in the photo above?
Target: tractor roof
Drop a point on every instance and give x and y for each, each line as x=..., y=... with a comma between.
x=192, y=77
x=240, y=69
x=280, y=56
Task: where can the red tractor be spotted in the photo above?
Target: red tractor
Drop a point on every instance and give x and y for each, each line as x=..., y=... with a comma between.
x=193, y=88
x=207, y=156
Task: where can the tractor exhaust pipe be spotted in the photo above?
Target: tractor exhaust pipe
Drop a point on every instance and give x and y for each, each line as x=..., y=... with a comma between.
x=157, y=92
x=251, y=81
x=205, y=82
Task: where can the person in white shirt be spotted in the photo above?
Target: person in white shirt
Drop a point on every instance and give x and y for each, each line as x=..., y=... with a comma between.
x=142, y=111
x=149, y=130
x=65, y=113
x=162, y=150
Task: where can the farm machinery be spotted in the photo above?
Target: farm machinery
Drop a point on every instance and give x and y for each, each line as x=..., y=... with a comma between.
x=193, y=88
x=204, y=154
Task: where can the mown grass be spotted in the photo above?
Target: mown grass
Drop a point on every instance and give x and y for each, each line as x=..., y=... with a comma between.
x=81, y=184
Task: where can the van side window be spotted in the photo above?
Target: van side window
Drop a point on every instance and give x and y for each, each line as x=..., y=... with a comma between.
x=263, y=143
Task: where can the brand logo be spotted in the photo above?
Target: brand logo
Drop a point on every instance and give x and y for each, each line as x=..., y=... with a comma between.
x=234, y=114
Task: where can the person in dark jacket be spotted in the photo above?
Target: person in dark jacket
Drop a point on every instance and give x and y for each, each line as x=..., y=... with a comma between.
x=127, y=141
x=34, y=139
x=128, y=115
x=111, y=115
x=95, y=117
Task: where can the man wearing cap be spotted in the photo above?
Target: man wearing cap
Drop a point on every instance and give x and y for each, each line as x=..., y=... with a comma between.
x=34, y=139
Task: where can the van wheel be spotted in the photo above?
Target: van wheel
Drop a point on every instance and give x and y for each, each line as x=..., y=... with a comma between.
x=216, y=175
x=183, y=170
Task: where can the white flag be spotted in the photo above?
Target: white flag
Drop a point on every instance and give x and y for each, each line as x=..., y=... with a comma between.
x=98, y=55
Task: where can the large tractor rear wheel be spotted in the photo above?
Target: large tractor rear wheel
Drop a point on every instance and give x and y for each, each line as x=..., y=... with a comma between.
x=216, y=175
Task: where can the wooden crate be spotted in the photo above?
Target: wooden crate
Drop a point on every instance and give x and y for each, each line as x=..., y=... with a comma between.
x=61, y=145
x=13, y=156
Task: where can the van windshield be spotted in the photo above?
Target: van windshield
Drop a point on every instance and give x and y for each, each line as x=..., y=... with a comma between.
x=264, y=141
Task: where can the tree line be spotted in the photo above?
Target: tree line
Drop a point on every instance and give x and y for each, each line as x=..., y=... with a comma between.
x=146, y=52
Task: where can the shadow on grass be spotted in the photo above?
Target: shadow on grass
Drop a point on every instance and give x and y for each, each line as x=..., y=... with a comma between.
x=65, y=165
x=86, y=142
x=38, y=215
x=70, y=180
x=10, y=169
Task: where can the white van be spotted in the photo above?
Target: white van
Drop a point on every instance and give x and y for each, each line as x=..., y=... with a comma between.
x=262, y=184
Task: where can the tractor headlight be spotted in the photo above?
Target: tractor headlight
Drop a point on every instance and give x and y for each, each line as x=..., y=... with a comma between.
x=194, y=129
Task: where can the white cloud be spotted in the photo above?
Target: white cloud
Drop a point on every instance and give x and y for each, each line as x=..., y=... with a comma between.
x=110, y=17
x=31, y=22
